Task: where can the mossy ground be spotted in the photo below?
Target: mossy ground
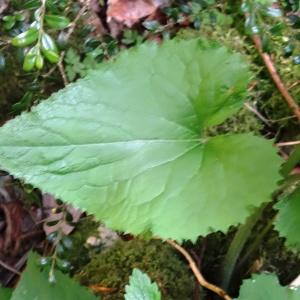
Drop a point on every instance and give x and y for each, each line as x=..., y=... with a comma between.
x=113, y=267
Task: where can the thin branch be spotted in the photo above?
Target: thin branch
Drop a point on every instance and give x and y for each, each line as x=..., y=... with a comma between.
x=294, y=84
x=67, y=37
x=257, y=113
x=62, y=70
x=78, y=16
x=292, y=143
x=276, y=78
x=202, y=281
x=18, y=266
x=8, y=267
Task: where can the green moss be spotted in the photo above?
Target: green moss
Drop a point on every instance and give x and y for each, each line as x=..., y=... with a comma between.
x=112, y=269
x=78, y=255
x=242, y=122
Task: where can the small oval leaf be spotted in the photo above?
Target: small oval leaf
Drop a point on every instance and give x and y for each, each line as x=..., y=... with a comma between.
x=9, y=22
x=39, y=63
x=62, y=40
x=20, y=17
x=49, y=48
x=56, y=21
x=30, y=59
x=31, y=4
x=47, y=43
x=26, y=38
x=51, y=56
x=36, y=25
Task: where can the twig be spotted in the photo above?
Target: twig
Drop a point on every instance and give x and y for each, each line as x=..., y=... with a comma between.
x=62, y=70
x=276, y=78
x=78, y=16
x=18, y=266
x=68, y=34
x=257, y=113
x=67, y=37
x=8, y=267
x=202, y=281
x=294, y=84
x=292, y=143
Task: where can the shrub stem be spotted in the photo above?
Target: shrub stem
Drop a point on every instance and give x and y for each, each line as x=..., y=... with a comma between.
x=202, y=281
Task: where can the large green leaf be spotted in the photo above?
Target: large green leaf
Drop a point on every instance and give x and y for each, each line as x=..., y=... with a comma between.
x=34, y=284
x=266, y=287
x=141, y=288
x=288, y=219
x=127, y=144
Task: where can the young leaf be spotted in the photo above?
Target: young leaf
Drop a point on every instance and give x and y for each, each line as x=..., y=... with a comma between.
x=127, y=143
x=140, y=287
x=51, y=56
x=26, y=38
x=9, y=22
x=30, y=59
x=288, y=219
x=49, y=48
x=34, y=284
x=47, y=43
x=39, y=63
x=31, y=4
x=56, y=21
x=266, y=287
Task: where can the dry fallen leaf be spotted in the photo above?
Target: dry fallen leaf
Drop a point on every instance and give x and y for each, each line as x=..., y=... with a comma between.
x=3, y=5
x=56, y=219
x=97, y=288
x=129, y=12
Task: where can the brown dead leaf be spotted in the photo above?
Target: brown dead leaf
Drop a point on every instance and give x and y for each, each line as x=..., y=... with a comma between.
x=64, y=227
x=93, y=18
x=49, y=202
x=97, y=288
x=56, y=216
x=3, y=6
x=129, y=12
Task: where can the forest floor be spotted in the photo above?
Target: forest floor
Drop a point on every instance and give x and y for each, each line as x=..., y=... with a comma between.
x=99, y=31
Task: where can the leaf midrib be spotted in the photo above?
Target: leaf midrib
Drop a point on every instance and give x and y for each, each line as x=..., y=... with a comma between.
x=199, y=140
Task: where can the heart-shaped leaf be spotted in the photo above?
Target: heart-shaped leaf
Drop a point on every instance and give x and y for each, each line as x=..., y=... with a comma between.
x=128, y=144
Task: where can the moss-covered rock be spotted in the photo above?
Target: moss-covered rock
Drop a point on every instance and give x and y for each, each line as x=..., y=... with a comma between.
x=112, y=268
